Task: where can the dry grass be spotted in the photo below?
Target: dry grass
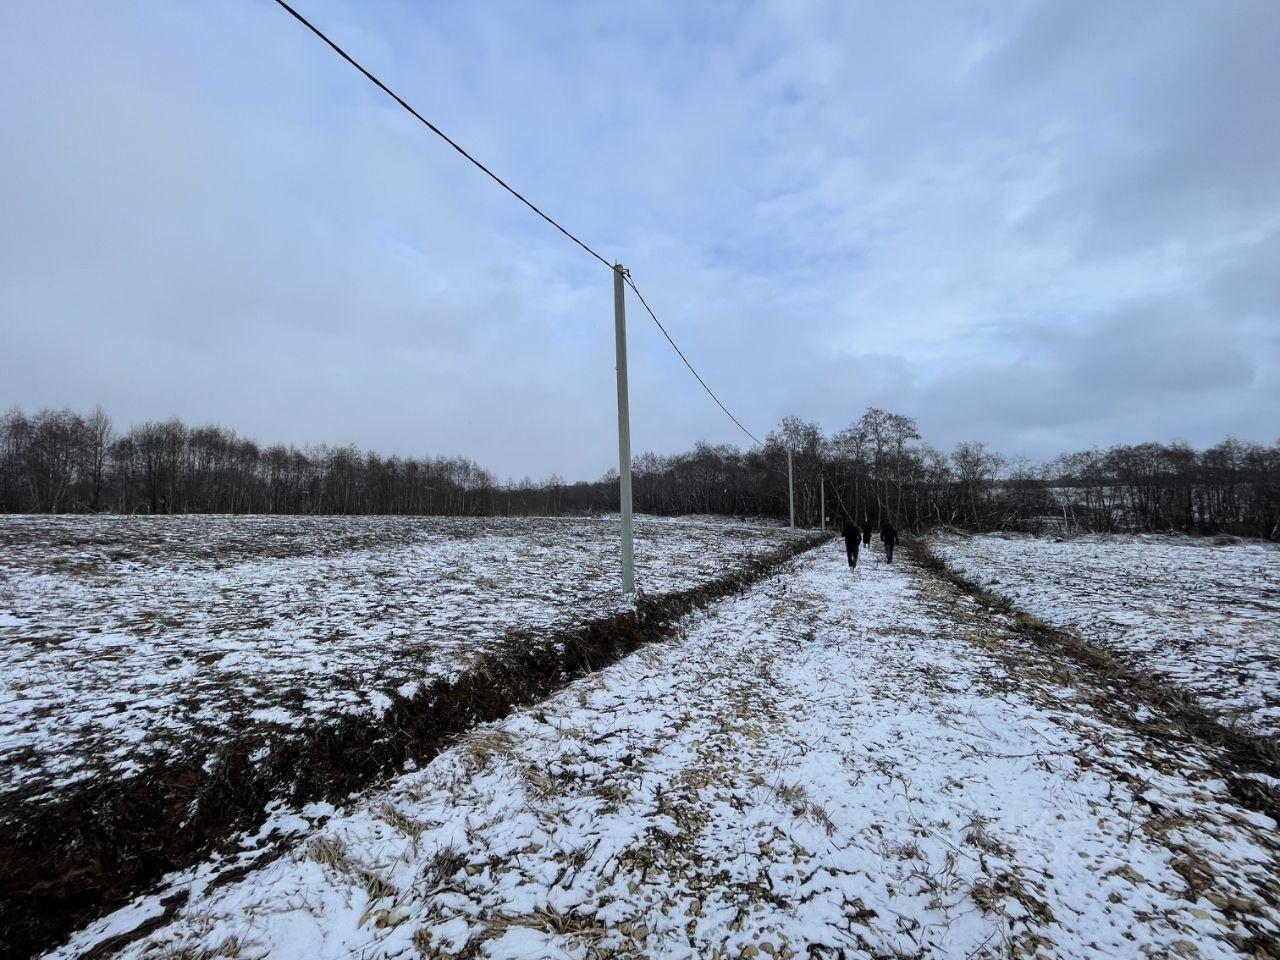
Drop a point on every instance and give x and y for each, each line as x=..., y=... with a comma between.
x=484, y=746
x=54, y=873
x=1118, y=690
x=574, y=930
x=230, y=949
x=327, y=851
x=407, y=825
x=330, y=852
x=444, y=865
x=548, y=920
x=977, y=835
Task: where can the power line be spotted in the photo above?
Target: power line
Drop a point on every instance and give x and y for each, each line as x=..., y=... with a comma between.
x=515, y=193
x=437, y=131
x=710, y=392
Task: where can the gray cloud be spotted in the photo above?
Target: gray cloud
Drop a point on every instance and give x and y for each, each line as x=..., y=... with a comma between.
x=1043, y=225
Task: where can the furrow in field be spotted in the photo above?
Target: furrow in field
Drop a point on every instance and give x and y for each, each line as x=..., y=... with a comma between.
x=833, y=763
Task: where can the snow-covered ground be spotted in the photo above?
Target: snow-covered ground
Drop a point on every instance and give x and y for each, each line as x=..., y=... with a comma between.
x=127, y=638
x=867, y=763
x=1204, y=615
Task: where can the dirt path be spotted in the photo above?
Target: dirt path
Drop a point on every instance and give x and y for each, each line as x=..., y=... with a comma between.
x=67, y=862
x=831, y=764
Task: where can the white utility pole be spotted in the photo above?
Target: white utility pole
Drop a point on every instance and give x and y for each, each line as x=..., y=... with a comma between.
x=822, y=498
x=791, y=491
x=624, y=429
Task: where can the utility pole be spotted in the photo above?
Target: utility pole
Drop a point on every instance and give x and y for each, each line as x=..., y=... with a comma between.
x=822, y=498
x=624, y=429
x=791, y=490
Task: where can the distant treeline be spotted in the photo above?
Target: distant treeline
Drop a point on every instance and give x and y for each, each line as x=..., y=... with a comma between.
x=61, y=462
x=877, y=467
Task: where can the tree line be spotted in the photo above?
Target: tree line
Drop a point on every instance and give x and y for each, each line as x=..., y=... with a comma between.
x=58, y=461
x=875, y=469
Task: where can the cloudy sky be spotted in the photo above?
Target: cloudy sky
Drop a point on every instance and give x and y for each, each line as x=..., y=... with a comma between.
x=1043, y=225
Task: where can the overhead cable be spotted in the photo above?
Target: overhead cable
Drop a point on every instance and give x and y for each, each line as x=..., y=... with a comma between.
x=515, y=193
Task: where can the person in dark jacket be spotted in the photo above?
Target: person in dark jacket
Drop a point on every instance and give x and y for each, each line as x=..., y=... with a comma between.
x=866, y=532
x=852, y=536
x=889, y=537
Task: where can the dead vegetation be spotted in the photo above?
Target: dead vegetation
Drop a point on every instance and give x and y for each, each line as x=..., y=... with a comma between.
x=75, y=858
x=1121, y=691
x=718, y=808
x=1155, y=709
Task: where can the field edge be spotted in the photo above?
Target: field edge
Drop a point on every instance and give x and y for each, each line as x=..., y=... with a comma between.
x=1234, y=750
x=64, y=863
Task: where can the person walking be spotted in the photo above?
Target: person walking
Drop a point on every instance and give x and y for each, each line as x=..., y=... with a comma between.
x=852, y=537
x=889, y=537
x=866, y=532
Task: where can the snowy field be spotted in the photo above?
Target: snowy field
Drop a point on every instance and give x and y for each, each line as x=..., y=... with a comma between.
x=123, y=639
x=831, y=764
x=1203, y=615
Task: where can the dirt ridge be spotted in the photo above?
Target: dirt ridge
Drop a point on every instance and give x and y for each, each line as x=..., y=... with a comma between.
x=66, y=863
x=1233, y=750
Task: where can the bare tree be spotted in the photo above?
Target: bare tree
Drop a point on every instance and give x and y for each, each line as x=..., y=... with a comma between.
x=58, y=461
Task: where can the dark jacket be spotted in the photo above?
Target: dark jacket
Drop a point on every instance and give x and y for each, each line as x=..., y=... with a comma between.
x=888, y=534
x=851, y=532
